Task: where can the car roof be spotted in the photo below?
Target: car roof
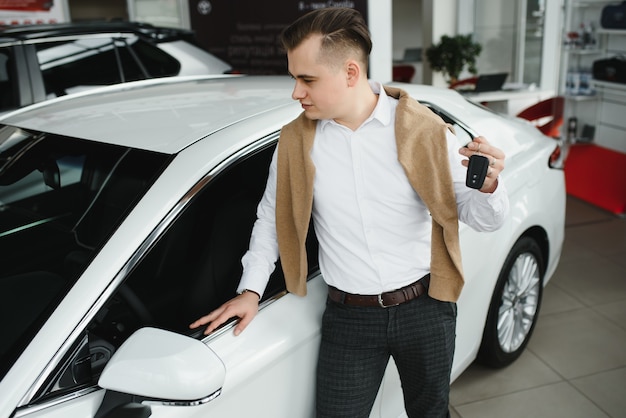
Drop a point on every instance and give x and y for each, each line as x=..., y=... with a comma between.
x=169, y=114
x=163, y=115
x=41, y=31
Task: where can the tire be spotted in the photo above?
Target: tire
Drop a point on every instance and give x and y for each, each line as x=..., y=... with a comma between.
x=514, y=307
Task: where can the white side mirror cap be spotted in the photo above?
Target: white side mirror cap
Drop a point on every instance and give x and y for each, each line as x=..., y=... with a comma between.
x=163, y=365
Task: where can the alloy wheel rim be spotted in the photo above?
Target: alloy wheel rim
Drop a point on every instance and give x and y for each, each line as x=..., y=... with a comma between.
x=520, y=300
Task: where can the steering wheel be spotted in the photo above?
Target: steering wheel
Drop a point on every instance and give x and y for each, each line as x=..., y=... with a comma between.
x=136, y=305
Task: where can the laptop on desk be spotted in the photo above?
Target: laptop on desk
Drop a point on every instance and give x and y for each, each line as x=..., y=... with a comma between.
x=412, y=55
x=488, y=82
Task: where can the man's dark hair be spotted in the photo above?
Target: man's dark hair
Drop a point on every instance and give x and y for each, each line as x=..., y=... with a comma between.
x=342, y=29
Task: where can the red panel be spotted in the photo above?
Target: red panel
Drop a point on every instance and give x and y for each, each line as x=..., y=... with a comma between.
x=597, y=175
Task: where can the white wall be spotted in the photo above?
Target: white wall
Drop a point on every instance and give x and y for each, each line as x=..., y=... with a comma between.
x=495, y=28
x=550, y=55
x=485, y=11
x=439, y=18
x=379, y=22
x=407, y=26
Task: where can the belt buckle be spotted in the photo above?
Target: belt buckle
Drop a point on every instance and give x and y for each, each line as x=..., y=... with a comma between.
x=382, y=304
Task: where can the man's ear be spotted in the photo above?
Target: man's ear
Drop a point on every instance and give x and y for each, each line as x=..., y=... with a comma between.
x=353, y=72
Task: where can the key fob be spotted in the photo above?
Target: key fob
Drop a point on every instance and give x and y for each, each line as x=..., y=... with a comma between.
x=476, y=171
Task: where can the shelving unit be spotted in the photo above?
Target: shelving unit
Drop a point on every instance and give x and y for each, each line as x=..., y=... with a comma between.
x=611, y=115
x=595, y=170
x=594, y=103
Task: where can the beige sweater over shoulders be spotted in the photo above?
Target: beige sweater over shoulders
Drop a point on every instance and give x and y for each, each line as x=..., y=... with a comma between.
x=422, y=152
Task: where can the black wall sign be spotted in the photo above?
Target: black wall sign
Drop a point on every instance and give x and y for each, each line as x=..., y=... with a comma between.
x=244, y=33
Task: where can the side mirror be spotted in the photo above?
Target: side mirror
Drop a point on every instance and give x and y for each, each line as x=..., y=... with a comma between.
x=166, y=367
x=51, y=174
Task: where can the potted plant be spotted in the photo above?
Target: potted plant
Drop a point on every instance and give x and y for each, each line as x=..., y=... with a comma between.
x=452, y=54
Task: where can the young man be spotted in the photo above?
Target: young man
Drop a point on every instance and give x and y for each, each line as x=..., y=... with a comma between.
x=384, y=183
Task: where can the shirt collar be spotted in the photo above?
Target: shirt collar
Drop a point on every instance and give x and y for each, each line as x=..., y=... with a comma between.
x=382, y=111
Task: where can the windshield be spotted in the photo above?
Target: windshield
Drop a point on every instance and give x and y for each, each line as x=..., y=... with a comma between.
x=60, y=200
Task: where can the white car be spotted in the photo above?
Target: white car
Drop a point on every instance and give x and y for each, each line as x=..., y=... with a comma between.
x=123, y=216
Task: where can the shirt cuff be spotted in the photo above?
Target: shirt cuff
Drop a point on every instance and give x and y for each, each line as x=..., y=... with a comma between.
x=499, y=198
x=255, y=282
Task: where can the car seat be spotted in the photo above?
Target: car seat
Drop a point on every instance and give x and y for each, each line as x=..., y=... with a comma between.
x=403, y=73
x=547, y=115
x=463, y=84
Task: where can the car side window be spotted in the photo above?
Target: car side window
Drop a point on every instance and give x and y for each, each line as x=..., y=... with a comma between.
x=196, y=264
x=193, y=268
x=156, y=62
x=8, y=80
x=69, y=66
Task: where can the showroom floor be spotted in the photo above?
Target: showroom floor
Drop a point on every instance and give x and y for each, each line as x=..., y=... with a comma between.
x=575, y=363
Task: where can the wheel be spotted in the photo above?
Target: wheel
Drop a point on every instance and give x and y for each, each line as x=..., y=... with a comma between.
x=514, y=305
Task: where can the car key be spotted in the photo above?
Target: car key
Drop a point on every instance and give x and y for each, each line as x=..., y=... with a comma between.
x=476, y=171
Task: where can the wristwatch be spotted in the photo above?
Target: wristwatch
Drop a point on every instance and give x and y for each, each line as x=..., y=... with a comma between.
x=251, y=291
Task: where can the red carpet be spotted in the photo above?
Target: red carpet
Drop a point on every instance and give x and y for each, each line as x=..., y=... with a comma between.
x=597, y=175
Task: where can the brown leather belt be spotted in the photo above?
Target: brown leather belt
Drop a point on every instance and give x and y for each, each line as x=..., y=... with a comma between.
x=383, y=300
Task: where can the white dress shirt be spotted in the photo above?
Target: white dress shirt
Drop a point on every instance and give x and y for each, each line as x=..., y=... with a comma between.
x=373, y=229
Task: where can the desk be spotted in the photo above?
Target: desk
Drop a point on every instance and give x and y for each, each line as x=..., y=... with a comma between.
x=510, y=102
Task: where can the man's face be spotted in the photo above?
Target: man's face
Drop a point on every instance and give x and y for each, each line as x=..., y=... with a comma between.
x=320, y=87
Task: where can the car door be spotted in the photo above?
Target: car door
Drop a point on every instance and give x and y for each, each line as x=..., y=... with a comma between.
x=269, y=369
x=188, y=266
